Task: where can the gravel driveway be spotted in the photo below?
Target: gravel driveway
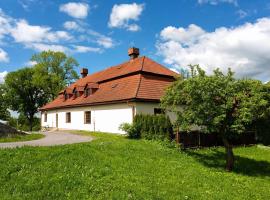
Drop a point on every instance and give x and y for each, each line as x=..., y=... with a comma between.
x=50, y=139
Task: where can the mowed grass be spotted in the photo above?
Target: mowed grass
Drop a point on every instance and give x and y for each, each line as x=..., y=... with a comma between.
x=18, y=138
x=114, y=167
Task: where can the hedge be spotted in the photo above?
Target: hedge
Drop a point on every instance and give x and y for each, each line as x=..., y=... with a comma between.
x=151, y=127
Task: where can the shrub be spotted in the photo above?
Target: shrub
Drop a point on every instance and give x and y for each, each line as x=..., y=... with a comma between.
x=130, y=130
x=151, y=127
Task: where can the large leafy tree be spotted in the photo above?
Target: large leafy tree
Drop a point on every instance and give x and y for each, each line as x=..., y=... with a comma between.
x=218, y=103
x=22, y=94
x=4, y=113
x=53, y=72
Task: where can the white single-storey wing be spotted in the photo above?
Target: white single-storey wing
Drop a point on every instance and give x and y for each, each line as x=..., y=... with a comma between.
x=104, y=100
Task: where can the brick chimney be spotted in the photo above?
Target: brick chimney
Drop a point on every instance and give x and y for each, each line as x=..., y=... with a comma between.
x=133, y=53
x=84, y=72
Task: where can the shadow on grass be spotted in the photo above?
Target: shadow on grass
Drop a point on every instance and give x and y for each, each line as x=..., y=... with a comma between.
x=246, y=166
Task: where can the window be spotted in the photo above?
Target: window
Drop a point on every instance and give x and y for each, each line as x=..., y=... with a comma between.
x=45, y=117
x=68, y=117
x=66, y=96
x=158, y=111
x=87, y=92
x=87, y=117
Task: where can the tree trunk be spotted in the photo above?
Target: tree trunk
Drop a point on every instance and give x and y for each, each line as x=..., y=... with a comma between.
x=31, y=119
x=229, y=155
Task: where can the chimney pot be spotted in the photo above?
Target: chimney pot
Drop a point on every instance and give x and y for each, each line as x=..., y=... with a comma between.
x=133, y=52
x=84, y=72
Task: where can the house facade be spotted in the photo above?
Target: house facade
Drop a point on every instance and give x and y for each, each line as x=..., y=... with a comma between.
x=104, y=100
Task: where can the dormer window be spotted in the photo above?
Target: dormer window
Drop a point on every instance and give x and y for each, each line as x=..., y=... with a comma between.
x=66, y=96
x=87, y=92
x=75, y=93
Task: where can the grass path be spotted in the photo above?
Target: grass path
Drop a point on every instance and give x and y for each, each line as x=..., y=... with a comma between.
x=113, y=167
x=19, y=138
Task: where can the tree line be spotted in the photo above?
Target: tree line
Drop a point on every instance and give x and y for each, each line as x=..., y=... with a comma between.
x=29, y=88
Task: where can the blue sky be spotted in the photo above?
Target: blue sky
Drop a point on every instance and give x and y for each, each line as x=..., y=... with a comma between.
x=97, y=33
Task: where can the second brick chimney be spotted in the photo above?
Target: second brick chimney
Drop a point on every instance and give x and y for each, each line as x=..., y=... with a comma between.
x=84, y=72
x=133, y=53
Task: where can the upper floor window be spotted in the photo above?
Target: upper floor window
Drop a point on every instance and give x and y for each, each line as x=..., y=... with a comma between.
x=66, y=96
x=68, y=117
x=87, y=117
x=87, y=92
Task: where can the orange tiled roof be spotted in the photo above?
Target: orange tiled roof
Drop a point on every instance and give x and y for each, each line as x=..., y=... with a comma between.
x=140, y=78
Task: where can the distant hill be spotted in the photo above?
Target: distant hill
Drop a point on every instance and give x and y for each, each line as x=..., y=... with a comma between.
x=6, y=130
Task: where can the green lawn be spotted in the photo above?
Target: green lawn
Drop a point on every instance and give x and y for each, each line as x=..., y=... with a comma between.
x=17, y=138
x=113, y=167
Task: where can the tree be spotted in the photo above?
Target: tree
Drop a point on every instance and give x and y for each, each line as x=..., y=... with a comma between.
x=217, y=103
x=4, y=113
x=23, y=95
x=53, y=72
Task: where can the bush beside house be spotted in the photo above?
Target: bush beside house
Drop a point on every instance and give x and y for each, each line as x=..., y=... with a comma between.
x=151, y=127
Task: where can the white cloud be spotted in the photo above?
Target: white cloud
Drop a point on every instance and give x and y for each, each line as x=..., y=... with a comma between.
x=71, y=25
x=188, y=35
x=215, y=2
x=244, y=48
x=30, y=63
x=242, y=14
x=85, y=49
x=122, y=14
x=25, y=33
x=2, y=76
x=42, y=38
x=133, y=27
x=3, y=56
x=106, y=42
x=76, y=10
x=46, y=47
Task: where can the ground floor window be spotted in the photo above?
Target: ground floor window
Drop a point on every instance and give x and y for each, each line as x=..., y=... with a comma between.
x=158, y=111
x=68, y=117
x=45, y=117
x=87, y=117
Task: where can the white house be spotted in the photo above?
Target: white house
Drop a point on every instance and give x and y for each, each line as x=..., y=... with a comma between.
x=104, y=100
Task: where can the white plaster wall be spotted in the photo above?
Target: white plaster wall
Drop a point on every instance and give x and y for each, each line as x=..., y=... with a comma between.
x=148, y=108
x=105, y=118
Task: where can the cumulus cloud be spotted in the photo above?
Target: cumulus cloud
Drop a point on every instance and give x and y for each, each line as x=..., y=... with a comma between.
x=122, y=14
x=216, y=2
x=244, y=48
x=76, y=10
x=23, y=32
x=2, y=76
x=47, y=47
x=30, y=63
x=42, y=38
x=72, y=25
x=3, y=56
x=85, y=49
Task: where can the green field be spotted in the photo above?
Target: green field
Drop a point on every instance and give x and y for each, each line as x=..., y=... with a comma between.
x=18, y=138
x=114, y=167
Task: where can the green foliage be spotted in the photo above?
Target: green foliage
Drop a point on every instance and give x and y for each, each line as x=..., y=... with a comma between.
x=151, y=127
x=23, y=94
x=219, y=103
x=53, y=72
x=28, y=89
x=4, y=113
x=114, y=167
x=130, y=130
x=22, y=123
